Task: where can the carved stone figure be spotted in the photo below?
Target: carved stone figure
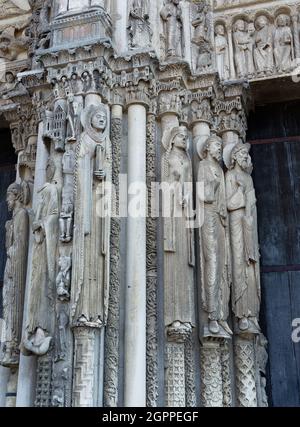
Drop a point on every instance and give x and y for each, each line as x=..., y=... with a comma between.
x=11, y=87
x=11, y=44
x=42, y=292
x=91, y=257
x=178, y=234
x=214, y=245
x=63, y=279
x=9, y=8
x=243, y=44
x=241, y=204
x=139, y=26
x=263, y=48
x=221, y=46
x=62, y=323
x=172, y=18
x=283, y=44
x=66, y=214
x=201, y=38
x=15, y=272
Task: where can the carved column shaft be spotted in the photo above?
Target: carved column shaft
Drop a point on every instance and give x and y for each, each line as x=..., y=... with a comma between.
x=152, y=327
x=245, y=371
x=135, y=309
x=111, y=372
x=85, y=363
x=296, y=35
x=211, y=375
x=226, y=375
x=175, y=375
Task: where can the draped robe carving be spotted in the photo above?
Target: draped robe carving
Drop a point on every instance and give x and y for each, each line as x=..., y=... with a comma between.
x=90, y=285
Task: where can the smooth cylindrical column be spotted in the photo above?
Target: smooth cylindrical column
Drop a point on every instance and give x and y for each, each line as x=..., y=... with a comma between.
x=231, y=54
x=27, y=367
x=135, y=308
x=4, y=375
x=120, y=25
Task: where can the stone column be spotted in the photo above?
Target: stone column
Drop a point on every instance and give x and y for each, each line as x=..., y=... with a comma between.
x=28, y=364
x=4, y=375
x=226, y=374
x=211, y=374
x=244, y=353
x=152, y=280
x=120, y=25
x=231, y=52
x=111, y=361
x=175, y=374
x=135, y=305
x=296, y=35
x=11, y=393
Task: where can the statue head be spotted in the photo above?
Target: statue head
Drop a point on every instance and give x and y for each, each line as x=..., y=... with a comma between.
x=176, y=137
x=14, y=195
x=240, y=25
x=283, y=20
x=99, y=120
x=94, y=120
x=213, y=146
x=220, y=30
x=176, y=2
x=9, y=77
x=240, y=155
x=261, y=22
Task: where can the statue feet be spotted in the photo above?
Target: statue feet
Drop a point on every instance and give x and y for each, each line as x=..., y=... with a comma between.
x=243, y=324
x=38, y=343
x=213, y=326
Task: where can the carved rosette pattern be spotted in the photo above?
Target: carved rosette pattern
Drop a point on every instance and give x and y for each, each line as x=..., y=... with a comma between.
x=211, y=375
x=175, y=375
x=226, y=375
x=44, y=382
x=190, y=375
x=151, y=279
x=111, y=367
x=245, y=372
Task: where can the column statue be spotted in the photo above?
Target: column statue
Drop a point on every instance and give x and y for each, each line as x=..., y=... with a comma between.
x=178, y=235
x=39, y=322
x=241, y=204
x=214, y=239
x=243, y=44
x=222, y=52
x=139, y=26
x=263, y=46
x=283, y=44
x=90, y=287
x=17, y=230
x=172, y=18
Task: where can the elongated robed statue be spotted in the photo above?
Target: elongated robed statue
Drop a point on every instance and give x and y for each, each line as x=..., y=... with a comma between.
x=17, y=230
x=241, y=204
x=214, y=239
x=90, y=290
x=178, y=234
x=40, y=318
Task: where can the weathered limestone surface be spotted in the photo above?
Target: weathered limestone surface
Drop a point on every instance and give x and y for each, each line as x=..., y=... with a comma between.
x=163, y=85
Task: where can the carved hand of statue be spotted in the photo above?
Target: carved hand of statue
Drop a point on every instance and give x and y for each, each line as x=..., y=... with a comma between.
x=240, y=183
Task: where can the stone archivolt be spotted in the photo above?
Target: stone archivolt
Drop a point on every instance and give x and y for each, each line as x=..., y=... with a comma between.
x=70, y=113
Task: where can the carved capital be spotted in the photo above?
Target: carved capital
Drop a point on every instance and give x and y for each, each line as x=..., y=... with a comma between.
x=178, y=332
x=137, y=95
